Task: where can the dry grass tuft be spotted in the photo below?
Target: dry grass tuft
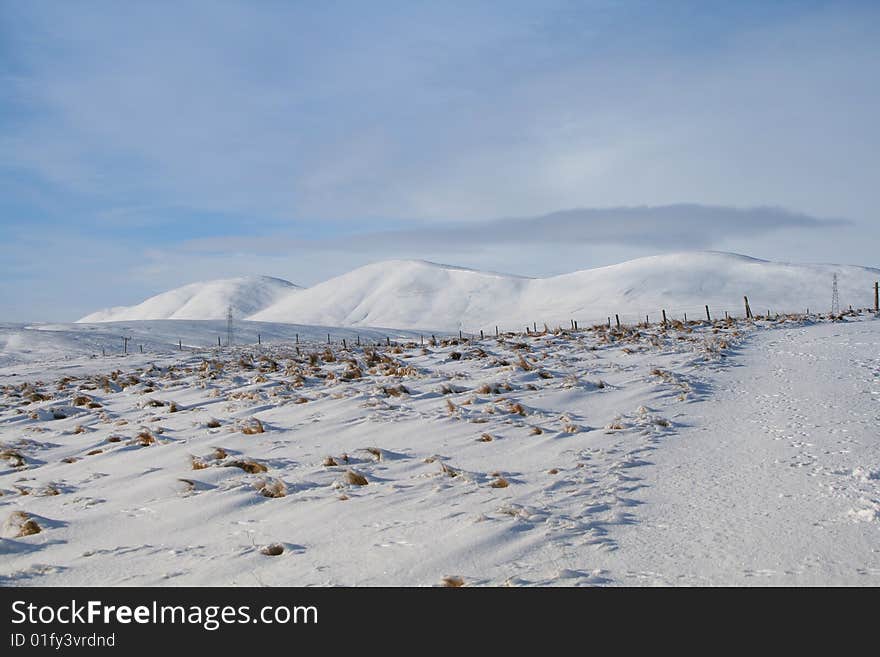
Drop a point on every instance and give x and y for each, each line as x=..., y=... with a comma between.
x=376, y=452
x=173, y=407
x=213, y=424
x=485, y=438
x=524, y=364
x=20, y=524
x=517, y=409
x=395, y=391
x=272, y=550
x=500, y=482
x=451, y=407
x=219, y=453
x=145, y=439
x=95, y=451
x=452, y=581
x=251, y=467
x=449, y=471
x=536, y=431
x=544, y=374
x=553, y=471
x=198, y=464
x=271, y=487
x=252, y=426
x=329, y=462
x=16, y=459
x=300, y=400
x=355, y=478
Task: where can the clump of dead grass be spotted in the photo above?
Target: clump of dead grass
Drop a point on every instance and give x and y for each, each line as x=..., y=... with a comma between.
x=20, y=524
x=271, y=487
x=144, y=439
x=355, y=478
x=249, y=466
x=252, y=426
x=452, y=581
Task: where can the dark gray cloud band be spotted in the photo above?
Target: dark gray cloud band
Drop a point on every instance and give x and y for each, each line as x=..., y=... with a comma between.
x=682, y=226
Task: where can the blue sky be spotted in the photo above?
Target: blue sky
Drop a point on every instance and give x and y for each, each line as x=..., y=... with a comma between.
x=147, y=145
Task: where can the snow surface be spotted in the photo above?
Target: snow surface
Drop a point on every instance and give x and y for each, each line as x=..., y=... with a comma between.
x=414, y=294
x=205, y=300
x=410, y=294
x=733, y=453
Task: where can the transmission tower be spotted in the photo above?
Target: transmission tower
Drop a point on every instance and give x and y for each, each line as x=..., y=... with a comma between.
x=835, y=297
x=229, y=326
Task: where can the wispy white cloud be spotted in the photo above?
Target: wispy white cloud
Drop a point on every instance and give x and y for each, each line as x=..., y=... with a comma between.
x=293, y=135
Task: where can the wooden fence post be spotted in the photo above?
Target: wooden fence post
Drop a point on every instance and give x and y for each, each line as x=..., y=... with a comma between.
x=708, y=316
x=664, y=318
x=748, y=309
x=481, y=334
x=496, y=331
x=876, y=296
x=617, y=320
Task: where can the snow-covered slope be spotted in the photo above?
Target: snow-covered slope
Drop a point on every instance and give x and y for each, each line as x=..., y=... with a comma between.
x=413, y=294
x=403, y=293
x=205, y=300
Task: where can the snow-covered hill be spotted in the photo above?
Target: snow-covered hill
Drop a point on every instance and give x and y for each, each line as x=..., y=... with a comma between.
x=413, y=294
x=205, y=300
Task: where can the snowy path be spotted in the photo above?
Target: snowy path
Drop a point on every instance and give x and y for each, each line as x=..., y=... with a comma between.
x=777, y=480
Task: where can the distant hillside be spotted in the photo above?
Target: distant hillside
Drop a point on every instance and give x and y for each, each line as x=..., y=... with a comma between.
x=413, y=294
x=205, y=300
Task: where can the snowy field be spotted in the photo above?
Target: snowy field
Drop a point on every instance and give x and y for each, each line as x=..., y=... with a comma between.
x=731, y=453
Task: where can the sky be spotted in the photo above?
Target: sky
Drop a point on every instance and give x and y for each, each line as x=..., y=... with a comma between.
x=145, y=145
